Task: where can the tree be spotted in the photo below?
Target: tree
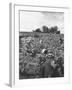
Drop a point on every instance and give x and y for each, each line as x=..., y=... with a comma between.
x=37, y=30
x=58, y=32
x=53, y=29
x=45, y=29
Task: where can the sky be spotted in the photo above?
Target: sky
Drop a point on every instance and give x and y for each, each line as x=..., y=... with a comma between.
x=32, y=20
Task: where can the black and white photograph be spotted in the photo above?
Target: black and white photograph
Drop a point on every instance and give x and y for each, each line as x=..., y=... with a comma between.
x=41, y=44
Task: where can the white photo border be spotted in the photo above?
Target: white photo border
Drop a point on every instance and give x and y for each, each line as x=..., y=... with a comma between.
x=14, y=75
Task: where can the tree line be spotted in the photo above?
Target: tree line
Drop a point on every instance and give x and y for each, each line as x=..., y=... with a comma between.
x=45, y=29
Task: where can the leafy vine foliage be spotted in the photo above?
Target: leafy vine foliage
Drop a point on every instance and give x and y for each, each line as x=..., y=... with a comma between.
x=41, y=53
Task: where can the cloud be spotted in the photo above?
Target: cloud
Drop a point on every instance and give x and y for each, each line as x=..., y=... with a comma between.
x=33, y=20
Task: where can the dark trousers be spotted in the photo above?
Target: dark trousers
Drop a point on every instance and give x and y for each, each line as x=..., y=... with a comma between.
x=46, y=70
